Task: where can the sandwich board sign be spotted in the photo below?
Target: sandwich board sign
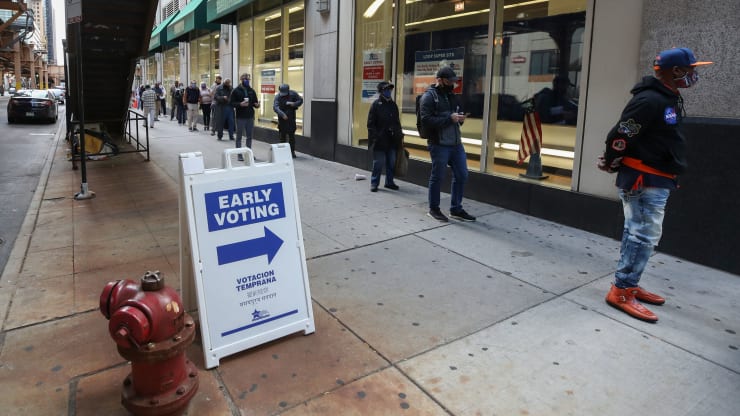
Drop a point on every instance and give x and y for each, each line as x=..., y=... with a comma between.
x=247, y=260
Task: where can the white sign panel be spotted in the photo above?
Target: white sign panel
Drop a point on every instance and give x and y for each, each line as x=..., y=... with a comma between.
x=247, y=252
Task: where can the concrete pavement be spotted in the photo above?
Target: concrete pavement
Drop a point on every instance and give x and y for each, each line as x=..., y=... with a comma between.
x=503, y=316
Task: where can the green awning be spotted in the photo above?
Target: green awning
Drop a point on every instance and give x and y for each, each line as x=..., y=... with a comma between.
x=191, y=17
x=217, y=9
x=159, y=35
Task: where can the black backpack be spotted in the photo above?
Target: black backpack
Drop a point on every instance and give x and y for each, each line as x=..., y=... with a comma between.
x=178, y=94
x=423, y=133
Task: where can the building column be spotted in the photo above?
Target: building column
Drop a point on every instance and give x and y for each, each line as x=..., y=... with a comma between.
x=18, y=68
x=31, y=67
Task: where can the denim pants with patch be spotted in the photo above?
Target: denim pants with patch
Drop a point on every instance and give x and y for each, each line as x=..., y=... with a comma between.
x=644, y=210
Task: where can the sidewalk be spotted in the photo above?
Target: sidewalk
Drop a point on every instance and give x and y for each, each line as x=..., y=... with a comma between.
x=503, y=316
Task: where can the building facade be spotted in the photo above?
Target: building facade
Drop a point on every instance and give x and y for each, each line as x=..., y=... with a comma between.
x=573, y=61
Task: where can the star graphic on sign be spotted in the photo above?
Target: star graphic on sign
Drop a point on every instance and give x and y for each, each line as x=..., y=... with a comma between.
x=255, y=314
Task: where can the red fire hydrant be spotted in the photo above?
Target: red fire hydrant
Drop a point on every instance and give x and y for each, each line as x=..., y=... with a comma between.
x=152, y=331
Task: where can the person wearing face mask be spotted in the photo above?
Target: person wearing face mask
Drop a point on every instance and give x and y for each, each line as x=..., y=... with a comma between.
x=648, y=150
x=192, y=101
x=244, y=100
x=441, y=117
x=384, y=136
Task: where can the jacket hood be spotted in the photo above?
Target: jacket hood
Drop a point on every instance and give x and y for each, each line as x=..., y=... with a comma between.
x=652, y=83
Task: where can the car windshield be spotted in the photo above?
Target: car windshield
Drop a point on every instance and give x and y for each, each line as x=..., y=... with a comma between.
x=32, y=93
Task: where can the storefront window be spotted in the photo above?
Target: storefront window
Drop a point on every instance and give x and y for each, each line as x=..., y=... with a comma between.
x=373, y=61
x=201, y=64
x=537, y=68
x=451, y=34
x=171, y=71
x=534, y=58
x=271, y=50
x=151, y=71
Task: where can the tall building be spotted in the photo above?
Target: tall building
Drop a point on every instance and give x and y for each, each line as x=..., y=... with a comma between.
x=50, y=32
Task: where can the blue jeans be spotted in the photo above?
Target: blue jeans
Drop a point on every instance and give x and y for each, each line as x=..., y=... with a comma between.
x=245, y=125
x=644, y=210
x=454, y=156
x=383, y=158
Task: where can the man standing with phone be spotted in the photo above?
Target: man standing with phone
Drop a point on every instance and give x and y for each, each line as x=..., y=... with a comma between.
x=441, y=117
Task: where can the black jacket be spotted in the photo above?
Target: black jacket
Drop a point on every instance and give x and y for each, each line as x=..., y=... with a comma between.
x=435, y=109
x=281, y=108
x=383, y=125
x=238, y=95
x=649, y=128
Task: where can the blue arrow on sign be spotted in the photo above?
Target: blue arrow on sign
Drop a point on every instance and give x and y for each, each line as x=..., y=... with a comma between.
x=242, y=250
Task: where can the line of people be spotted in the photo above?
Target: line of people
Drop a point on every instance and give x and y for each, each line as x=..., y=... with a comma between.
x=223, y=107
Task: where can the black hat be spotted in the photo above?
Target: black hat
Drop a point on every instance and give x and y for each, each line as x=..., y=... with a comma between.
x=447, y=72
x=385, y=85
x=284, y=90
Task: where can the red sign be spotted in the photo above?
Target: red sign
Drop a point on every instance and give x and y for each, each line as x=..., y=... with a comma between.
x=518, y=59
x=373, y=72
x=267, y=89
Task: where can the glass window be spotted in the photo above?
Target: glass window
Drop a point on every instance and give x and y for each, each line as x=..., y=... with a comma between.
x=270, y=46
x=294, y=59
x=268, y=31
x=537, y=71
x=451, y=34
x=201, y=65
x=171, y=71
x=151, y=70
x=373, y=60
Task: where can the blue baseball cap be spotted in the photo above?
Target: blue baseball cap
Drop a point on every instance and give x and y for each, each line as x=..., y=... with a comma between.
x=677, y=57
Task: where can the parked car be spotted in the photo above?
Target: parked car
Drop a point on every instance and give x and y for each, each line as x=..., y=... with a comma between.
x=11, y=91
x=32, y=105
x=60, y=94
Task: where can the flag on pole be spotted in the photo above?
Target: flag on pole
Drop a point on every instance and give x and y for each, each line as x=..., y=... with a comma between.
x=531, y=139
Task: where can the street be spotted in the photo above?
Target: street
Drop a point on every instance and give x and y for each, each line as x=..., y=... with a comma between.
x=24, y=149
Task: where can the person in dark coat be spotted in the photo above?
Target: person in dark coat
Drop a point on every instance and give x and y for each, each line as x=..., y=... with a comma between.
x=648, y=149
x=384, y=136
x=286, y=104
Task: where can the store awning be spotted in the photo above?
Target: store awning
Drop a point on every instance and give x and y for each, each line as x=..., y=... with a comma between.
x=222, y=11
x=191, y=17
x=159, y=34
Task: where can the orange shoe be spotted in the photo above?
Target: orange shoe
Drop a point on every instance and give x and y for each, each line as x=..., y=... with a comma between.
x=644, y=296
x=624, y=300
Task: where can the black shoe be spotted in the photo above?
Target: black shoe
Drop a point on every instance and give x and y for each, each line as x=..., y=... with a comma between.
x=294, y=156
x=191, y=129
x=461, y=215
x=231, y=138
x=220, y=137
x=240, y=158
x=195, y=129
x=213, y=133
x=392, y=186
x=437, y=215
x=373, y=189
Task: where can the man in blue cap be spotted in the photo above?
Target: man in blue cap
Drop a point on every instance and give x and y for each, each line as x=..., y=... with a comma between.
x=648, y=150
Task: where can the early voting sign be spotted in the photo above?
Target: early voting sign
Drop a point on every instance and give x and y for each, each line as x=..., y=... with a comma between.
x=246, y=248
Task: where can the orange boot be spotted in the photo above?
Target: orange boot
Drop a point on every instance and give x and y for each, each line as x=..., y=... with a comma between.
x=644, y=296
x=624, y=299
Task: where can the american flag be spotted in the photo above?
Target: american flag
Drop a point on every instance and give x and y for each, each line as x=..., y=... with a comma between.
x=531, y=139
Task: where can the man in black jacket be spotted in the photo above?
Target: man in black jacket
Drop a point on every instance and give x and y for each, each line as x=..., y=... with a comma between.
x=285, y=106
x=244, y=100
x=384, y=136
x=442, y=116
x=648, y=150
